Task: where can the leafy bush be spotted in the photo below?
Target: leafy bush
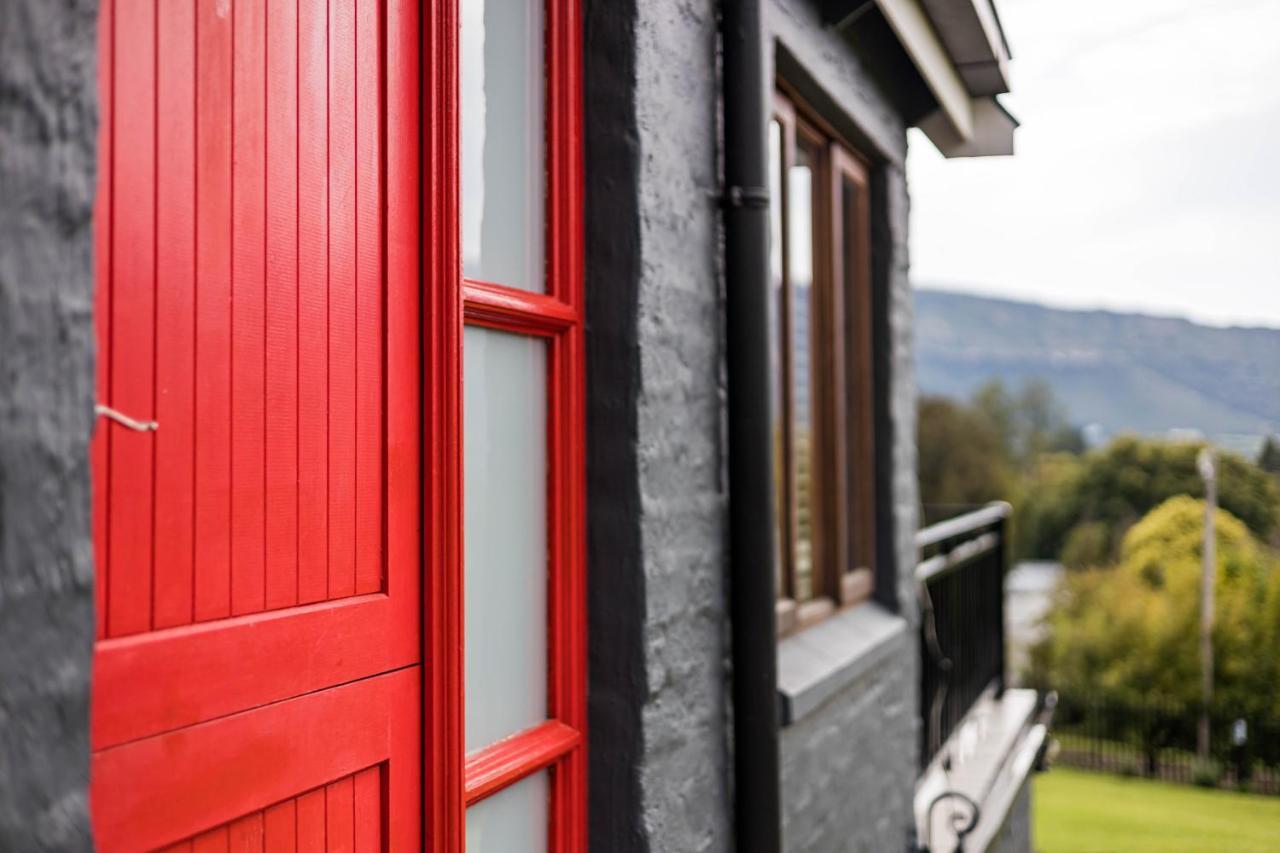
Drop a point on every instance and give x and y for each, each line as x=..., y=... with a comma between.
x=1206, y=774
x=1130, y=632
x=1117, y=485
x=961, y=458
x=983, y=450
x=1088, y=544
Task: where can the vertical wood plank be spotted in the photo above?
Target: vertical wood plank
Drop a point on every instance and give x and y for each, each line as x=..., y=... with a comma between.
x=369, y=296
x=281, y=828
x=132, y=322
x=339, y=816
x=313, y=354
x=282, y=304
x=368, y=809
x=99, y=452
x=402, y=462
x=213, y=301
x=176, y=314
x=342, y=269
x=246, y=834
x=213, y=841
x=311, y=820
x=248, y=309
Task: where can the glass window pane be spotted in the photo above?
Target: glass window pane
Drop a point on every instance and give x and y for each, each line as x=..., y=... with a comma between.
x=801, y=185
x=505, y=539
x=513, y=820
x=503, y=186
x=776, y=338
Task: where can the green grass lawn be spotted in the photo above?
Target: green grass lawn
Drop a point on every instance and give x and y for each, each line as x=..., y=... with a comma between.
x=1092, y=812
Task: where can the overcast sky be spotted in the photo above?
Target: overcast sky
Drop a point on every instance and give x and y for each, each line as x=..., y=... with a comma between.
x=1148, y=168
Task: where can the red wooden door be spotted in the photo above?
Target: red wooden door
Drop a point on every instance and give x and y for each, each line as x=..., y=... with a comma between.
x=257, y=675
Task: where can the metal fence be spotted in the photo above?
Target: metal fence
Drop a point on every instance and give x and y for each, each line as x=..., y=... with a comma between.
x=960, y=582
x=1158, y=741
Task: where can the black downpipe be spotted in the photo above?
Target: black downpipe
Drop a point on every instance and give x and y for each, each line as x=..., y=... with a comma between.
x=758, y=824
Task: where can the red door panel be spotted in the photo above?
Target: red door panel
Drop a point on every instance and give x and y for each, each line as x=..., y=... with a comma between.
x=236, y=769
x=207, y=268
x=258, y=298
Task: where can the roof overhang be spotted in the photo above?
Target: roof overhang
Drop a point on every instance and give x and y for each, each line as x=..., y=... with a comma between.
x=911, y=25
x=959, y=49
x=972, y=35
x=991, y=135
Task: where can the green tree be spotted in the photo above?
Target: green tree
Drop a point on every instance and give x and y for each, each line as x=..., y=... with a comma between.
x=1269, y=455
x=1130, y=633
x=1030, y=422
x=1117, y=485
x=992, y=447
x=961, y=458
x=1043, y=505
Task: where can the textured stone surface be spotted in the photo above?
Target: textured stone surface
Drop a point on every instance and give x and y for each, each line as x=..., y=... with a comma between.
x=686, y=804
x=656, y=496
x=616, y=582
x=848, y=769
x=48, y=123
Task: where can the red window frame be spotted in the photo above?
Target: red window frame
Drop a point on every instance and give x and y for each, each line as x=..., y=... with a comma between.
x=455, y=780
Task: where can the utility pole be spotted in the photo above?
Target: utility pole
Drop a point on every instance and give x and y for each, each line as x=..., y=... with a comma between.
x=1208, y=571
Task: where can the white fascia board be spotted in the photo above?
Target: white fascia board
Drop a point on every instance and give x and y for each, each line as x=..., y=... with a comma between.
x=912, y=27
x=971, y=33
x=993, y=31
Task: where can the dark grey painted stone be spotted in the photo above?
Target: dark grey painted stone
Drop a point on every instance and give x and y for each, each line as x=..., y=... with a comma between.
x=849, y=768
x=662, y=325
x=616, y=581
x=686, y=803
x=48, y=125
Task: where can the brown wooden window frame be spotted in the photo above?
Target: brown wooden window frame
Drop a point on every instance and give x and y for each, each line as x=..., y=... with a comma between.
x=841, y=383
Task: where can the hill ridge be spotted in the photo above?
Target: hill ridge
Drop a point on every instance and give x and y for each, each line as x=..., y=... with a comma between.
x=1126, y=372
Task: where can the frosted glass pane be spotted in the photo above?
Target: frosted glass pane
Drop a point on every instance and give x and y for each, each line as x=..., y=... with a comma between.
x=511, y=821
x=503, y=185
x=505, y=540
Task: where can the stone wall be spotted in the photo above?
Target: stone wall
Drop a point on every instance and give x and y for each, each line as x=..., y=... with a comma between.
x=844, y=783
x=48, y=127
x=660, y=709
x=656, y=491
x=849, y=767
x=685, y=792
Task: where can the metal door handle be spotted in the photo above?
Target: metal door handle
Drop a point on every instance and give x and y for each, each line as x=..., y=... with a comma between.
x=124, y=420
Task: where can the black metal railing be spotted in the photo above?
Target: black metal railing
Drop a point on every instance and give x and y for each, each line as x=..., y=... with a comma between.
x=960, y=583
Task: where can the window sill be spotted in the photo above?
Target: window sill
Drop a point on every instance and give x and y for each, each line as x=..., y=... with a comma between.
x=818, y=662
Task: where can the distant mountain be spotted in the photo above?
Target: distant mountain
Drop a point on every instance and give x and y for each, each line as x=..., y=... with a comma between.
x=1124, y=372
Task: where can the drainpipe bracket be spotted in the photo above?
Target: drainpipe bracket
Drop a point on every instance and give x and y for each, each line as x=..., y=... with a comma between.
x=746, y=197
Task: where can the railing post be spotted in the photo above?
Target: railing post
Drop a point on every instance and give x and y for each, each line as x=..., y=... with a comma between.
x=1002, y=564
